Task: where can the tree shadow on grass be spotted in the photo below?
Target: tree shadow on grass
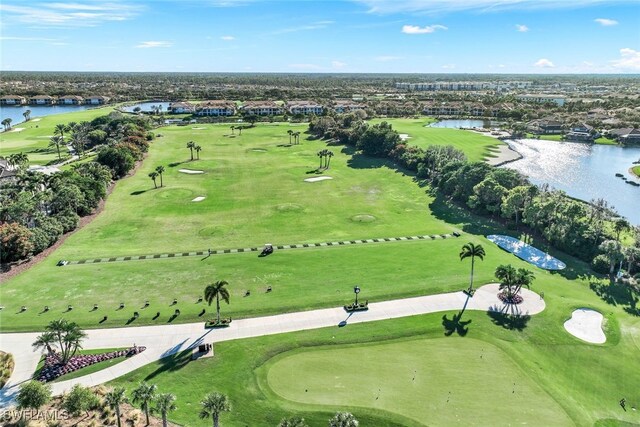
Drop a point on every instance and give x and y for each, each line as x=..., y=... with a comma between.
x=452, y=213
x=362, y=161
x=455, y=324
x=174, y=164
x=137, y=193
x=177, y=357
x=617, y=294
x=512, y=322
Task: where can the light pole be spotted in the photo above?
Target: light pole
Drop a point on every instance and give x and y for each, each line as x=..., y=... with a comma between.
x=356, y=290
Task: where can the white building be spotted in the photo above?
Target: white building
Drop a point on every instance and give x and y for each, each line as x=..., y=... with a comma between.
x=559, y=100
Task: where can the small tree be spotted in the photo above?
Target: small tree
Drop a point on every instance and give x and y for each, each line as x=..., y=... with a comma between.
x=213, y=405
x=198, y=149
x=217, y=291
x=143, y=395
x=191, y=145
x=165, y=403
x=27, y=115
x=160, y=171
x=293, y=422
x=343, y=419
x=153, y=175
x=33, y=395
x=79, y=399
x=114, y=399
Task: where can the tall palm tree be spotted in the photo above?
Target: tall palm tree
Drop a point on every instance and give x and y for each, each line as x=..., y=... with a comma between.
x=160, y=171
x=321, y=155
x=198, y=149
x=473, y=251
x=343, y=419
x=233, y=128
x=329, y=156
x=213, y=405
x=191, y=145
x=56, y=141
x=60, y=129
x=27, y=115
x=153, y=175
x=114, y=399
x=217, y=290
x=165, y=403
x=143, y=395
x=297, y=137
x=290, y=132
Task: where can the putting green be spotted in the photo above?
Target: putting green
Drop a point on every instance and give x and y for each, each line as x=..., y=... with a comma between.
x=432, y=381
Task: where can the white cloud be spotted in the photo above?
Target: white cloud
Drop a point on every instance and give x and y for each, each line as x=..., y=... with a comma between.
x=629, y=60
x=88, y=14
x=30, y=39
x=522, y=28
x=440, y=6
x=313, y=26
x=449, y=66
x=544, y=63
x=415, y=29
x=387, y=58
x=227, y=38
x=338, y=64
x=153, y=43
x=606, y=22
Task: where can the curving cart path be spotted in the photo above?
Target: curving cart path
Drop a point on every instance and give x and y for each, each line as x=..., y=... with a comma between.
x=166, y=340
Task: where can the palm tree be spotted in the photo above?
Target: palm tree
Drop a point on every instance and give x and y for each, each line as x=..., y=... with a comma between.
x=143, y=395
x=198, y=149
x=343, y=419
x=7, y=123
x=329, y=156
x=473, y=251
x=114, y=399
x=293, y=422
x=507, y=276
x=213, y=405
x=217, y=290
x=153, y=175
x=524, y=278
x=191, y=145
x=45, y=341
x=60, y=129
x=297, y=137
x=160, y=171
x=239, y=129
x=620, y=225
x=164, y=405
x=56, y=141
x=290, y=132
x=233, y=128
x=68, y=336
x=321, y=155
x=27, y=115
x=18, y=159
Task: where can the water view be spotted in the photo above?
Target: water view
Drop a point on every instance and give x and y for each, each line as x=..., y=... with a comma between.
x=146, y=106
x=583, y=171
x=15, y=113
x=464, y=123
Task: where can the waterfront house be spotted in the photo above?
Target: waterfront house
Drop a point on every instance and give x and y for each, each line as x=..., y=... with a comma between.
x=304, y=107
x=182, y=107
x=625, y=135
x=545, y=127
x=261, y=108
x=41, y=100
x=70, y=100
x=96, y=100
x=12, y=100
x=344, y=106
x=216, y=108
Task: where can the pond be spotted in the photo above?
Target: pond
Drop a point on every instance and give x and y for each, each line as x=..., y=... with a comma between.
x=583, y=171
x=15, y=112
x=464, y=123
x=146, y=106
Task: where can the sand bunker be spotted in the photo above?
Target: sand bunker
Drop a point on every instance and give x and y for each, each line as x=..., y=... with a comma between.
x=198, y=128
x=190, y=171
x=35, y=120
x=198, y=199
x=16, y=129
x=586, y=324
x=404, y=136
x=317, y=178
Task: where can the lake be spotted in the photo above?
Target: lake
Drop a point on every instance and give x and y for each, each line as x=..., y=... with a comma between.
x=583, y=171
x=15, y=112
x=464, y=123
x=146, y=106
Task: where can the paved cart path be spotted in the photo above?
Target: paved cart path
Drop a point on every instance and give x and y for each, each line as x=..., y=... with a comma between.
x=166, y=340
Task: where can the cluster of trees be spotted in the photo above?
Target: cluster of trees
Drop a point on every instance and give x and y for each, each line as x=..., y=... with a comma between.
x=37, y=209
x=575, y=227
x=66, y=336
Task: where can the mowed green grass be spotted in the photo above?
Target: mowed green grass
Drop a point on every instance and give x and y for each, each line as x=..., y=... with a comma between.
x=34, y=139
x=476, y=146
x=419, y=379
x=636, y=170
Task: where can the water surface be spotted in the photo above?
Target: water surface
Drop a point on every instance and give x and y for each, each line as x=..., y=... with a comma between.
x=15, y=112
x=464, y=123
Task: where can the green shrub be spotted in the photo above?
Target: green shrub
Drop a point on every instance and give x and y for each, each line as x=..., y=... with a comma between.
x=600, y=264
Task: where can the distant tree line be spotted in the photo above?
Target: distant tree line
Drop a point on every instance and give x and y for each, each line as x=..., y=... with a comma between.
x=37, y=209
x=590, y=231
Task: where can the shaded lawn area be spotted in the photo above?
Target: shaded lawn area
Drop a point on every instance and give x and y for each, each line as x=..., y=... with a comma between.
x=86, y=370
x=474, y=145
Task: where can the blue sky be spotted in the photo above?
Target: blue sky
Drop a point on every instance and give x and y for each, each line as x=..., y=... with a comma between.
x=350, y=36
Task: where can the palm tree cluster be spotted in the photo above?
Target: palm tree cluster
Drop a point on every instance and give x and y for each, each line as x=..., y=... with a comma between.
x=19, y=160
x=325, y=158
x=7, y=123
x=66, y=336
x=512, y=280
x=296, y=137
x=193, y=146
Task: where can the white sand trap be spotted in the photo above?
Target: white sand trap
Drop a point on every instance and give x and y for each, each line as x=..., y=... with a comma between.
x=404, y=136
x=317, y=178
x=198, y=199
x=16, y=129
x=190, y=171
x=35, y=120
x=198, y=128
x=586, y=324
